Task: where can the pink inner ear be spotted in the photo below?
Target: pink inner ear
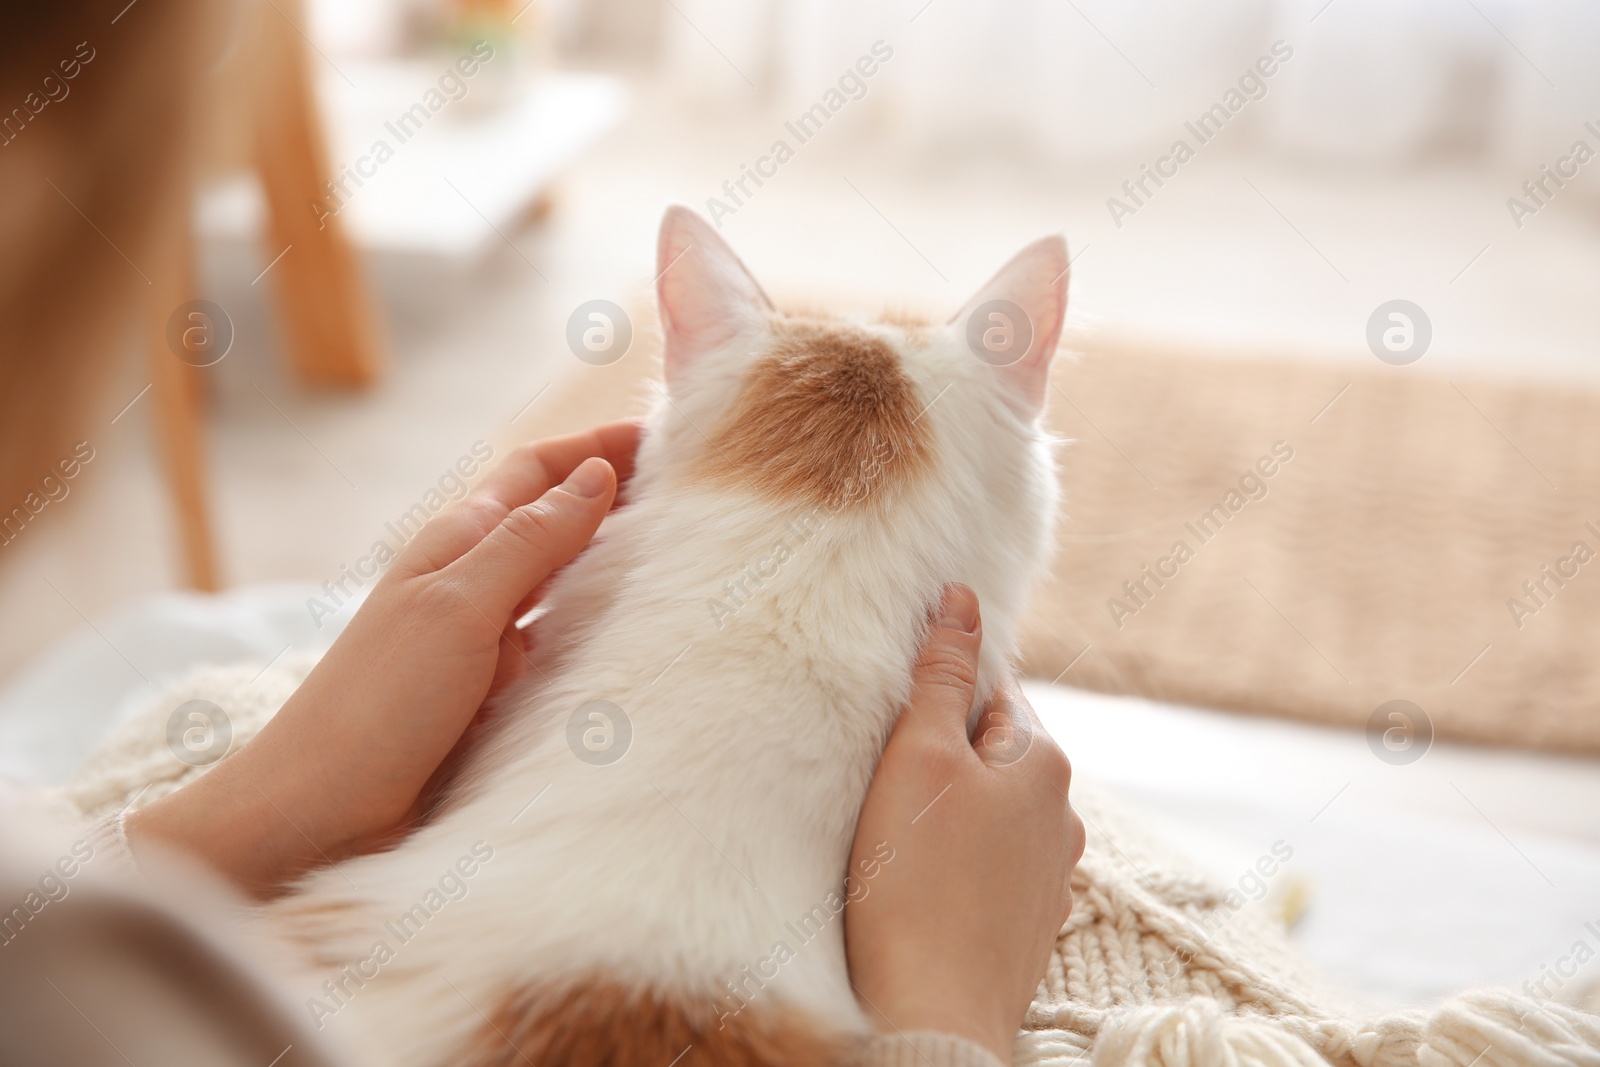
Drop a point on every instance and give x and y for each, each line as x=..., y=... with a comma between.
x=1034, y=282
x=706, y=295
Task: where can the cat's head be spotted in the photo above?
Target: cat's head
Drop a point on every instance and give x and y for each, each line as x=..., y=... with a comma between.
x=926, y=429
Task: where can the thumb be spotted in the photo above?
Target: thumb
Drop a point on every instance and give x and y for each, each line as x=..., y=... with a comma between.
x=945, y=677
x=534, y=540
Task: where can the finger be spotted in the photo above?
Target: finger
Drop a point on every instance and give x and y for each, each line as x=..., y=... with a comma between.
x=946, y=672
x=524, y=476
x=533, y=540
x=531, y=469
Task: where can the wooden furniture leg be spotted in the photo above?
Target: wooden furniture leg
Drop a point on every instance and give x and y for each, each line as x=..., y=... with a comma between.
x=323, y=300
x=330, y=326
x=178, y=392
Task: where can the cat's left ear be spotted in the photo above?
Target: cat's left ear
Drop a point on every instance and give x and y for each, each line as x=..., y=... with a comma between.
x=1013, y=323
x=706, y=295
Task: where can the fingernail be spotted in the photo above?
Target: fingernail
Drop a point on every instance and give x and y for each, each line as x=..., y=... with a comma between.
x=959, y=609
x=590, y=479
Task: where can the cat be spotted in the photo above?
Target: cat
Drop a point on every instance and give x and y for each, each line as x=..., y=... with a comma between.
x=647, y=860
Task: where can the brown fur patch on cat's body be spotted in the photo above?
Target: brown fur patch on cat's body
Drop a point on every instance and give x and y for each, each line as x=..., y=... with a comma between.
x=604, y=1024
x=826, y=418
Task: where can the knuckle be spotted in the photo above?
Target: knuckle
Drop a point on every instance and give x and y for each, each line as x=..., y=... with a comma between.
x=1061, y=766
x=482, y=513
x=532, y=524
x=950, y=666
x=1053, y=763
x=1077, y=837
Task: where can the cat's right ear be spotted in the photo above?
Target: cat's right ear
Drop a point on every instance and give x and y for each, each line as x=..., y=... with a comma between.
x=706, y=296
x=1014, y=322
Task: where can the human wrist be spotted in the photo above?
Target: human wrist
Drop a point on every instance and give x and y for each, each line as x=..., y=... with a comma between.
x=221, y=821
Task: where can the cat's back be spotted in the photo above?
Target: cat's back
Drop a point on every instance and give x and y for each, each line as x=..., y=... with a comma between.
x=670, y=796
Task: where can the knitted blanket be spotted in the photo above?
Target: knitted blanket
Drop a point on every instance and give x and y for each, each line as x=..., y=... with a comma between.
x=1158, y=966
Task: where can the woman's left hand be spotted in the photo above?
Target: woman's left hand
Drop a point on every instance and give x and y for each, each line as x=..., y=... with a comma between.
x=348, y=761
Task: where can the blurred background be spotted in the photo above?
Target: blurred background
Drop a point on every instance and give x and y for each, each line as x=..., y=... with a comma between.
x=386, y=308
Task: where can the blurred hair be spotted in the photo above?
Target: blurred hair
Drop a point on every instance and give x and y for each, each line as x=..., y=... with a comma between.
x=88, y=180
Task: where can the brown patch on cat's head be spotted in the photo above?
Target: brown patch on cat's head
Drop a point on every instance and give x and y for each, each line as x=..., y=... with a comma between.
x=827, y=417
x=605, y=1024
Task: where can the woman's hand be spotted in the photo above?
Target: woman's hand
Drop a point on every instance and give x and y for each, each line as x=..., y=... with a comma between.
x=348, y=760
x=953, y=933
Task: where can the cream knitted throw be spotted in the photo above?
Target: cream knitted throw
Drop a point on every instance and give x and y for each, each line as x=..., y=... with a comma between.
x=1157, y=966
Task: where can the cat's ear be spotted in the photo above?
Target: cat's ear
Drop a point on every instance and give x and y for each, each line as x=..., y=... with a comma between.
x=1013, y=323
x=706, y=296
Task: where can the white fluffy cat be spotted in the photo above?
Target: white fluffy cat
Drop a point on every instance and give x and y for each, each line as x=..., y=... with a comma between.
x=648, y=853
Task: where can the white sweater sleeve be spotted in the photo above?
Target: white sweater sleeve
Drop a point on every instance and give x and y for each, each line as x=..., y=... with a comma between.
x=109, y=839
x=924, y=1048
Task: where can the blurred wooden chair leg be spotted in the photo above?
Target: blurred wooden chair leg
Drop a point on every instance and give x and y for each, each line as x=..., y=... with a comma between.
x=329, y=323
x=329, y=320
x=178, y=392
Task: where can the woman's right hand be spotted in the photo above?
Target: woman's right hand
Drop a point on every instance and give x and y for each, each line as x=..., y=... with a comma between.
x=954, y=932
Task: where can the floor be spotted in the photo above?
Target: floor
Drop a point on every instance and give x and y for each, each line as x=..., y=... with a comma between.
x=1236, y=250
